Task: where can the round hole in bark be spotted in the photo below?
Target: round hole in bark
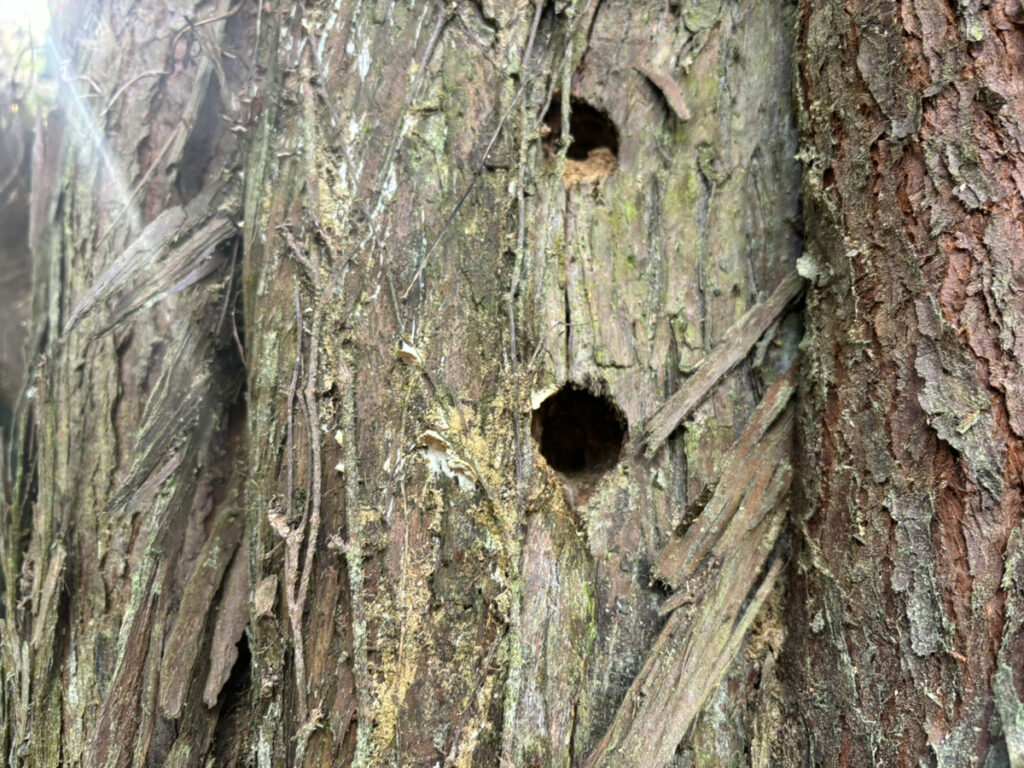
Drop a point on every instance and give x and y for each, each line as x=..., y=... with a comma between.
x=579, y=432
x=590, y=128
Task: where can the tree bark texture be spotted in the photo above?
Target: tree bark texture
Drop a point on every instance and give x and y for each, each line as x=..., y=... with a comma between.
x=464, y=605
x=313, y=526
x=910, y=565
x=15, y=305
x=125, y=518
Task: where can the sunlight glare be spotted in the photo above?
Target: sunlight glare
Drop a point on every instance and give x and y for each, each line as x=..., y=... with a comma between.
x=29, y=14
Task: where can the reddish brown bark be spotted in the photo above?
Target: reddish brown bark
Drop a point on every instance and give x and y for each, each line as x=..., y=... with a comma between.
x=910, y=568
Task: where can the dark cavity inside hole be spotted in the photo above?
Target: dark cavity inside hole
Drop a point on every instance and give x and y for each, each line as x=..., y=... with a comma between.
x=590, y=128
x=579, y=433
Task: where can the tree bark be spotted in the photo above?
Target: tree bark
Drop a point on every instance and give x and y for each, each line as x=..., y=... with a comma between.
x=125, y=513
x=421, y=266
x=303, y=280
x=909, y=566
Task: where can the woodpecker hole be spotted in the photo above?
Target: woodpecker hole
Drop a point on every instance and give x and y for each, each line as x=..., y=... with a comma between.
x=579, y=433
x=593, y=150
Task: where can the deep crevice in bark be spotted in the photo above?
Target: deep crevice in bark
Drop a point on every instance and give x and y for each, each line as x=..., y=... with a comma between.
x=229, y=735
x=201, y=148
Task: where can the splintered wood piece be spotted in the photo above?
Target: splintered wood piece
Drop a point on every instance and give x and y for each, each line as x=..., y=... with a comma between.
x=688, y=660
x=174, y=251
x=721, y=558
x=747, y=473
x=232, y=616
x=183, y=645
x=670, y=89
x=734, y=346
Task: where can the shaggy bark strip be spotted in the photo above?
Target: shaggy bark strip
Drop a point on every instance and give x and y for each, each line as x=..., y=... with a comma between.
x=135, y=381
x=176, y=250
x=733, y=347
x=757, y=457
x=720, y=562
x=183, y=643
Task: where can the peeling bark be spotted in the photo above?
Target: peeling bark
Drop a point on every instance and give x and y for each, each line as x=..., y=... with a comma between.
x=132, y=429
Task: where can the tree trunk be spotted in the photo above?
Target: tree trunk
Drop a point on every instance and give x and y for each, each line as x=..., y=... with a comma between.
x=422, y=265
x=910, y=561
x=412, y=386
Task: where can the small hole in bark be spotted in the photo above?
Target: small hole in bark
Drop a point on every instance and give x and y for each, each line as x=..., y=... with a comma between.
x=594, y=140
x=579, y=433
